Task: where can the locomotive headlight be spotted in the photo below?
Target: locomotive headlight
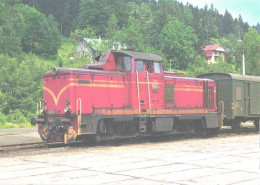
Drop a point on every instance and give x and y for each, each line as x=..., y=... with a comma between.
x=67, y=109
x=43, y=108
x=68, y=101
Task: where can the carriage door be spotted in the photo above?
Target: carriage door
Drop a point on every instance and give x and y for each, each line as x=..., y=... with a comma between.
x=254, y=94
x=238, y=106
x=142, y=87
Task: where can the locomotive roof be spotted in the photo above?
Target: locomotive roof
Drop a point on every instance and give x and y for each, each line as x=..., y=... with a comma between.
x=139, y=55
x=231, y=76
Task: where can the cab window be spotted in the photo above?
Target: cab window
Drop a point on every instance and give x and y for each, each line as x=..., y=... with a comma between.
x=149, y=67
x=140, y=66
x=127, y=63
x=157, y=67
x=119, y=64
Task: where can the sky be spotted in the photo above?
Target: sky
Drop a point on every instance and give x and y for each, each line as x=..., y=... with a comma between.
x=249, y=9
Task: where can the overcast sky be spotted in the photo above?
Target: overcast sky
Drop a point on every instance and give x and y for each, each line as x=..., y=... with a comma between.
x=249, y=9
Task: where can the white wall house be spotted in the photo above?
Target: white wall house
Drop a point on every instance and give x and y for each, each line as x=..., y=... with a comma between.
x=92, y=47
x=213, y=52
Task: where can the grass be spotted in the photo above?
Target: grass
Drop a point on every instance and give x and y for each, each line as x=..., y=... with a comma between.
x=185, y=72
x=15, y=125
x=66, y=51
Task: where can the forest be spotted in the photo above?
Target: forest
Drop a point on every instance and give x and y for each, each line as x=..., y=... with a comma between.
x=37, y=35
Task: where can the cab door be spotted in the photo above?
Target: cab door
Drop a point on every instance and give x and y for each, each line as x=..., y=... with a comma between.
x=142, y=87
x=155, y=77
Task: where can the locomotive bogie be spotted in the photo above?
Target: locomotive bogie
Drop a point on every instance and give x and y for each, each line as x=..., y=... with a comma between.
x=115, y=127
x=57, y=128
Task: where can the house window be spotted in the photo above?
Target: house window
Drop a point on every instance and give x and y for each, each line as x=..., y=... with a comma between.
x=157, y=67
x=238, y=92
x=127, y=63
x=140, y=66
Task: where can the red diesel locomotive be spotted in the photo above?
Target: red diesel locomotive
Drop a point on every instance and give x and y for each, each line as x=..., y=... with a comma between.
x=125, y=94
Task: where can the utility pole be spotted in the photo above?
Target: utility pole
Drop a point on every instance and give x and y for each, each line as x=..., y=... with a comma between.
x=243, y=57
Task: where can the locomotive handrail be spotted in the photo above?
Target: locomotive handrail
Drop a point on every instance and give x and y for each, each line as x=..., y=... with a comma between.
x=221, y=107
x=138, y=93
x=221, y=111
x=79, y=113
x=148, y=84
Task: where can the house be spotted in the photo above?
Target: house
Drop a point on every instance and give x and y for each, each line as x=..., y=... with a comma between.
x=92, y=47
x=213, y=52
x=88, y=46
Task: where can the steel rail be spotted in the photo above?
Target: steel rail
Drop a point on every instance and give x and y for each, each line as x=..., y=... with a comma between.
x=23, y=146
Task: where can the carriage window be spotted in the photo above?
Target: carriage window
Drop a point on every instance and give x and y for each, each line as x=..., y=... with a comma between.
x=157, y=67
x=238, y=92
x=140, y=66
x=127, y=63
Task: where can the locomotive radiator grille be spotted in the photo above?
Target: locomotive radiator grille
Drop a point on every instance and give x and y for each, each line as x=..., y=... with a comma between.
x=208, y=97
x=169, y=94
x=211, y=98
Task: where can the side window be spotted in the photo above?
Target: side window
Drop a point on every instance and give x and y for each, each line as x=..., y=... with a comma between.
x=157, y=67
x=149, y=67
x=238, y=92
x=127, y=63
x=119, y=64
x=140, y=66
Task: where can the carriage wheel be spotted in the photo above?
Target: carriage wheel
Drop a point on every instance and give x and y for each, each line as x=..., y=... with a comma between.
x=256, y=123
x=236, y=125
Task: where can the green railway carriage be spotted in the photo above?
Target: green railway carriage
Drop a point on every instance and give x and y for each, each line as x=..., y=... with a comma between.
x=240, y=95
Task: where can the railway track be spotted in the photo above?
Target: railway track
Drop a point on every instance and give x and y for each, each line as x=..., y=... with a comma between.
x=30, y=146
x=19, y=147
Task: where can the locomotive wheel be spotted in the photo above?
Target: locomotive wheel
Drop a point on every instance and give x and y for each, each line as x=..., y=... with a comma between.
x=214, y=131
x=203, y=128
x=95, y=139
x=44, y=132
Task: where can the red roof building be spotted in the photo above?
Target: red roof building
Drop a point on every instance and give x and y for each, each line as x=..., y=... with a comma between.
x=214, y=51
